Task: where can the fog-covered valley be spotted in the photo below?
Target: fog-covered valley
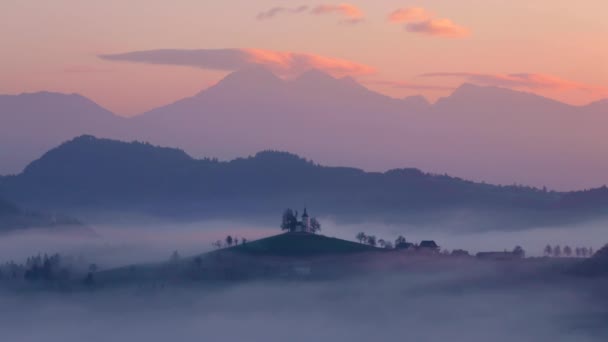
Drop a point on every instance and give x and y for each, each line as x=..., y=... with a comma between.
x=465, y=305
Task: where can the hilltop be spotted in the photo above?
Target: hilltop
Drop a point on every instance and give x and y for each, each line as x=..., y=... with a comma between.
x=300, y=245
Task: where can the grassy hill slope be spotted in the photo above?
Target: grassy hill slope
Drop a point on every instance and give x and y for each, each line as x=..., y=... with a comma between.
x=300, y=245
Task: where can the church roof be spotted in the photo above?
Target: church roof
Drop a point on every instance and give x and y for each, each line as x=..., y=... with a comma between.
x=305, y=214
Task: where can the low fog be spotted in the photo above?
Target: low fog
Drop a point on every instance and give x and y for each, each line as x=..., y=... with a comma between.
x=127, y=242
x=474, y=304
x=434, y=306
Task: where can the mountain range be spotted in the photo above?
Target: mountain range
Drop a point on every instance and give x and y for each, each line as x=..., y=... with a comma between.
x=483, y=133
x=88, y=174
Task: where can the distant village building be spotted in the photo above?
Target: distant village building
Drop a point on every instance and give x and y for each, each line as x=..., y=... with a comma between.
x=428, y=246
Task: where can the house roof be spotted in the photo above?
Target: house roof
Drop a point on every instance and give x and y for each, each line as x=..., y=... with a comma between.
x=428, y=244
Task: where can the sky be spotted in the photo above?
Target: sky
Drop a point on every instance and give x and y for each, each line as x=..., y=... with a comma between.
x=401, y=48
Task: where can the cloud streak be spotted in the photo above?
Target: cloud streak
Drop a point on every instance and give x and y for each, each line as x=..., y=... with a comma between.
x=351, y=13
x=519, y=80
x=282, y=63
x=273, y=12
x=409, y=14
x=420, y=20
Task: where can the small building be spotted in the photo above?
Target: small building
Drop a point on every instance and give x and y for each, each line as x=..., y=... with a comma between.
x=304, y=225
x=428, y=246
x=404, y=246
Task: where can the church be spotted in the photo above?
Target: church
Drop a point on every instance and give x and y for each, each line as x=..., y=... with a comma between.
x=303, y=226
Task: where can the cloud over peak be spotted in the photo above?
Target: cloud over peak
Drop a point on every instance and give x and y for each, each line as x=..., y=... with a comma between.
x=420, y=20
x=282, y=63
x=530, y=81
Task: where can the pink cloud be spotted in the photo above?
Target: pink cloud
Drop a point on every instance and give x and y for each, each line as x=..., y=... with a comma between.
x=438, y=27
x=519, y=80
x=271, y=13
x=419, y=20
x=282, y=63
x=351, y=13
x=410, y=14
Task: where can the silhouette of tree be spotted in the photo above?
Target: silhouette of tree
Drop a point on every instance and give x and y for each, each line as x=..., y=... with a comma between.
x=217, y=244
x=568, y=251
x=243, y=241
x=229, y=240
x=548, y=250
x=361, y=237
x=236, y=241
x=519, y=251
x=584, y=252
x=400, y=240
x=557, y=251
x=290, y=220
x=381, y=243
x=371, y=240
x=315, y=226
x=388, y=245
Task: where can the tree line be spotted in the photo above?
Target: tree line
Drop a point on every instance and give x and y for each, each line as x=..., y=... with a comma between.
x=557, y=251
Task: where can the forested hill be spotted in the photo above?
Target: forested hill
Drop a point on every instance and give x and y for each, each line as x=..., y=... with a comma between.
x=92, y=173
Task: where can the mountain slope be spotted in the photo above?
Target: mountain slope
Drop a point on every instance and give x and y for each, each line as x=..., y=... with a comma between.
x=483, y=133
x=32, y=123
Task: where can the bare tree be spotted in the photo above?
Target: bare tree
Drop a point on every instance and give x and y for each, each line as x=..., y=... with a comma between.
x=371, y=240
x=557, y=251
x=315, y=225
x=229, y=240
x=548, y=250
x=361, y=237
x=519, y=251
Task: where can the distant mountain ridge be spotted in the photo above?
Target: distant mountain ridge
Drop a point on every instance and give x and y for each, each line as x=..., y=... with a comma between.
x=483, y=133
x=88, y=173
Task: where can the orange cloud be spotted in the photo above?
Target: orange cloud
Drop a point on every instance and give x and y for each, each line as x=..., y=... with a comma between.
x=271, y=13
x=520, y=80
x=352, y=13
x=419, y=20
x=410, y=14
x=282, y=63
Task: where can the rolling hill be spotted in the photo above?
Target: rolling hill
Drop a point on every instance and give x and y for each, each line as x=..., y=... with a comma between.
x=102, y=175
